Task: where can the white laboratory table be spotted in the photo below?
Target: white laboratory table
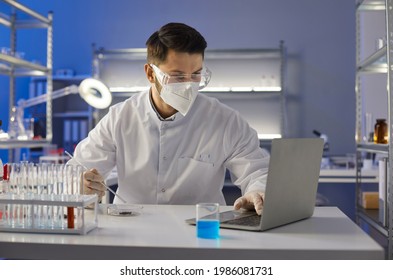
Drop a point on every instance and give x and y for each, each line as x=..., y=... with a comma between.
x=160, y=232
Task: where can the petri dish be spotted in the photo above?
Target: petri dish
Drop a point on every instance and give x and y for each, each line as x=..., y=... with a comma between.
x=125, y=210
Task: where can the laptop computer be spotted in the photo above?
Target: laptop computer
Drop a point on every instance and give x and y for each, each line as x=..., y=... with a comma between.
x=291, y=187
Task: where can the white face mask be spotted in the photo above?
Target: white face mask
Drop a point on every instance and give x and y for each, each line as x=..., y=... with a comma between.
x=180, y=96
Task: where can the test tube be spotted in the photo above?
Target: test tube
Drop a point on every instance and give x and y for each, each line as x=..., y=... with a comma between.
x=69, y=180
x=59, y=189
x=78, y=179
x=12, y=177
x=50, y=189
x=19, y=192
x=2, y=214
x=50, y=179
x=54, y=197
x=30, y=186
x=11, y=185
x=34, y=185
x=23, y=177
x=42, y=193
x=22, y=189
x=6, y=178
x=79, y=169
x=5, y=191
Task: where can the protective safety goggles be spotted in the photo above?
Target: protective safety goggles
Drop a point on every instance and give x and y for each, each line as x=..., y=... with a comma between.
x=203, y=78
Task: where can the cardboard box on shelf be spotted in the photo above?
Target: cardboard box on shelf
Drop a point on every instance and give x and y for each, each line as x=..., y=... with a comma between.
x=370, y=200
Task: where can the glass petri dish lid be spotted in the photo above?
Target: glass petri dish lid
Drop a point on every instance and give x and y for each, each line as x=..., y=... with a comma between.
x=124, y=210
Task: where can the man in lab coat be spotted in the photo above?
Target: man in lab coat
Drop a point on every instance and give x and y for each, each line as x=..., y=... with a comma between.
x=171, y=144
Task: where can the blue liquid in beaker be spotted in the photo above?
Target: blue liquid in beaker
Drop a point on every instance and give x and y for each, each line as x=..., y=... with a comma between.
x=208, y=229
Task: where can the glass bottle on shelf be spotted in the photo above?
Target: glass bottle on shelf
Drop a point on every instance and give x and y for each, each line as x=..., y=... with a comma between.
x=3, y=134
x=15, y=125
x=381, y=132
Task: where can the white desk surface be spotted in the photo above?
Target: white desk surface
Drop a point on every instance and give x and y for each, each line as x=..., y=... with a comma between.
x=160, y=232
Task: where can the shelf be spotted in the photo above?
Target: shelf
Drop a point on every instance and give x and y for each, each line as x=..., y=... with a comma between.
x=262, y=70
x=20, y=24
x=74, y=114
x=63, y=78
x=337, y=176
x=374, y=5
x=30, y=12
x=375, y=63
x=11, y=144
x=347, y=176
x=276, y=90
x=260, y=83
x=371, y=217
x=23, y=67
x=373, y=148
x=128, y=91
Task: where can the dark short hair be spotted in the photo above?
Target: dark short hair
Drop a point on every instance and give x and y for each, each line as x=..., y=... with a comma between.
x=175, y=36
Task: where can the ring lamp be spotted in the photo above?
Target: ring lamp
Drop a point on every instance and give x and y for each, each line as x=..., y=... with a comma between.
x=95, y=93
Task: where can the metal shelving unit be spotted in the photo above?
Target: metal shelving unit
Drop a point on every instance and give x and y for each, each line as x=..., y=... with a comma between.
x=14, y=67
x=379, y=62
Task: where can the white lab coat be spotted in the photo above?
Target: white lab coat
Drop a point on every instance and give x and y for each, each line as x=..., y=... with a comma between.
x=182, y=161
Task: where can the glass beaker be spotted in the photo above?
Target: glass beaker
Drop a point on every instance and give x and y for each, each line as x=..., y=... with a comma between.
x=28, y=125
x=208, y=220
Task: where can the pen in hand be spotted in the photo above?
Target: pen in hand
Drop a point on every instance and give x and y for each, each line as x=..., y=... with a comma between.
x=102, y=183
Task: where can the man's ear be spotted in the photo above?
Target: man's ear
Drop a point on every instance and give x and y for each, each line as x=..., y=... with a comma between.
x=149, y=73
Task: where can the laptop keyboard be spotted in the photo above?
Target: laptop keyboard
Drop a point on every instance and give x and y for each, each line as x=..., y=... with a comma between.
x=253, y=220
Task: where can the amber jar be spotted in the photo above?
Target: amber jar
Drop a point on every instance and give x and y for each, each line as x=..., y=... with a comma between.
x=381, y=132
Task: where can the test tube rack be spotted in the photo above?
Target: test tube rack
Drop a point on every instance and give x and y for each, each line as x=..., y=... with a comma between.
x=60, y=213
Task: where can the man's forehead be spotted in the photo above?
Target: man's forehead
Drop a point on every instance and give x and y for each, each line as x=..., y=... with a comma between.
x=183, y=62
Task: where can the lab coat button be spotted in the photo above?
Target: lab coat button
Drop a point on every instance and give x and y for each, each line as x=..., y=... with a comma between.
x=163, y=190
x=164, y=158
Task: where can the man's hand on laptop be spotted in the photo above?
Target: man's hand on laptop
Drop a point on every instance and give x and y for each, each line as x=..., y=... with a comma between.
x=251, y=200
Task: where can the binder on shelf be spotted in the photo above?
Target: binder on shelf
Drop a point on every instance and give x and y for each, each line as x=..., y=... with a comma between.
x=83, y=130
x=67, y=135
x=75, y=133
